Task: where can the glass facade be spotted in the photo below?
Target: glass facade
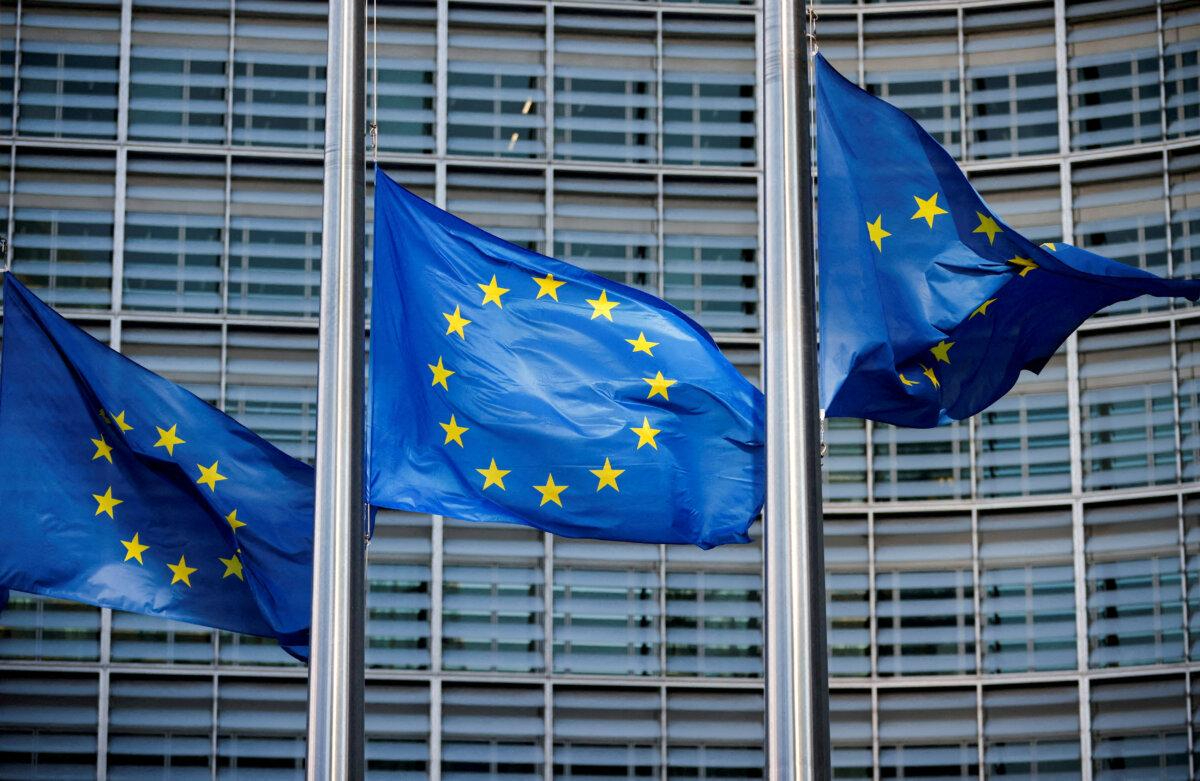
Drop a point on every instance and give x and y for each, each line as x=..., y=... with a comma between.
x=1012, y=595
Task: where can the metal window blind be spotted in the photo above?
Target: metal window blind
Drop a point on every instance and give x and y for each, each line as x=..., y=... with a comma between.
x=844, y=467
x=847, y=595
x=1112, y=61
x=1032, y=732
x=925, y=734
x=62, y=237
x=407, y=36
x=710, y=243
x=8, y=46
x=260, y=729
x=69, y=72
x=708, y=91
x=912, y=62
x=914, y=463
x=270, y=386
x=1127, y=408
x=510, y=204
x=398, y=591
x=174, y=230
x=1012, y=100
x=1029, y=200
x=1184, y=200
x=493, y=597
x=178, y=76
x=492, y=732
x=1187, y=350
x=715, y=735
x=397, y=730
x=41, y=628
x=850, y=734
x=48, y=724
x=1027, y=590
x=608, y=225
x=1181, y=67
x=1139, y=729
x=160, y=724
x=606, y=733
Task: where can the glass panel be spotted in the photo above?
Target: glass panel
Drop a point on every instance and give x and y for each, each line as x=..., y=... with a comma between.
x=178, y=77
x=708, y=91
x=850, y=734
x=62, y=237
x=174, y=234
x=1023, y=444
x=605, y=87
x=924, y=600
x=397, y=730
x=407, y=64
x=1191, y=523
x=912, y=62
x=1127, y=408
x=398, y=591
x=847, y=594
x=606, y=607
x=844, y=467
x=279, y=77
x=1112, y=60
x=275, y=238
x=492, y=732
x=509, y=203
x=928, y=734
x=1012, y=102
x=1184, y=168
x=1135, y=594
x=1119, y=214
x=8, y=44
x=494, y=598
x=496, y=82
x=1031, y=732
x=715, y=735
x=1030, y=200
x=35, y=627
x=1027, y=590
x=1187, y=347
x=261, y=728
x=271, y=386
x=160, y=726
x=911, y=463
x=1139, y=729
x=143, y=638
x=710, y=243
x=609, y=226
x=1181, y=64
x=48, y=724
x=605, y=733
x=69, y=72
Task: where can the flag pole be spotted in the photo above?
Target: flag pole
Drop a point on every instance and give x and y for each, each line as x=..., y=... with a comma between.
x=797, y=696
x=335, y=677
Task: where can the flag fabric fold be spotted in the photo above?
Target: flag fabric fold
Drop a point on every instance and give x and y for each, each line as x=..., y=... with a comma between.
x=507, y=386
x=931, y=305
x=121, y=489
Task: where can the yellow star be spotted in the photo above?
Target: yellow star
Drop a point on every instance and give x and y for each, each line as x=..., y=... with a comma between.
x=453, y=431
x=987, y=225
x=928, y=209
x=548, y=286
x=105, y=502
x=234, y=523
x=941, y=350
x=550, y=492
x=492, y=292
x=1051, y=246
x=233, y=566
x=642, y=344
x=457, y=323
x=658, y=386
x=608, y=476
x=932, y=377
x=907, y=381
x=210, y=476
x=493, y=476
x=602, y=306
x=877, y=233
x=182, y=572
x=646, y=434
x=119, y=419
x=440, y=373
x=134, y=549
x=982, y=308
x=169, y=439
x=103, y=449
x=1025, y=264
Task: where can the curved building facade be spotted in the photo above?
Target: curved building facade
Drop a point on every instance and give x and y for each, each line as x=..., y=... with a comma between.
x=1008, y=596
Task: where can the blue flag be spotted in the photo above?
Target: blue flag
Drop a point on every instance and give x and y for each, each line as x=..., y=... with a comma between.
x=930, y=304
x=511, y=387
x=123, y=490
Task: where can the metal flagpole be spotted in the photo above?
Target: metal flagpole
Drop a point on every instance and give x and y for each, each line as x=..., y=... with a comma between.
x=797, y=686
x=335, y=677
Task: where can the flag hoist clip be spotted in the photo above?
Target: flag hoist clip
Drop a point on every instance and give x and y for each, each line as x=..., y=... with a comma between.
x=811, y=31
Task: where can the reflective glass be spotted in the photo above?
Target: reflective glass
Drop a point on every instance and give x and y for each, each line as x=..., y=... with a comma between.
x=1031, y=732
x=398, y=591
x=397, y=730
x=928, y=734
x=1139, y=729
x=261, y=728
x=844, y=467
x=914, y=463
x=160, y=725
x=8, y=45
x=509, y=203
x=715, y=734
x=492, y=732
x=850, y=734
x=605, y=733
x=407, y=66
x=609, y=225
x=1181, y=66
x=48, y=725
x=36, y=627
x=1184, y=201
x=847, y=595
x=271, y=386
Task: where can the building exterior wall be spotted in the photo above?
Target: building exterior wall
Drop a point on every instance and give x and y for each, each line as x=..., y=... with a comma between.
x=1011, y=595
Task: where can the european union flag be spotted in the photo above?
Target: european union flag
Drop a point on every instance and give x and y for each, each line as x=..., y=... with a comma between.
x=123, y=490
x=930, y=304
x=508, y=386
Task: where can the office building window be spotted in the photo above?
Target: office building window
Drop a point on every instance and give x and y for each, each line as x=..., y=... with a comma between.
x=1031, y=731
x=398, y=591
x=715, y=735
x=1139, y=729
x=492, y=732
x=928, y=733
x=847, y=595
x=407, y=61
